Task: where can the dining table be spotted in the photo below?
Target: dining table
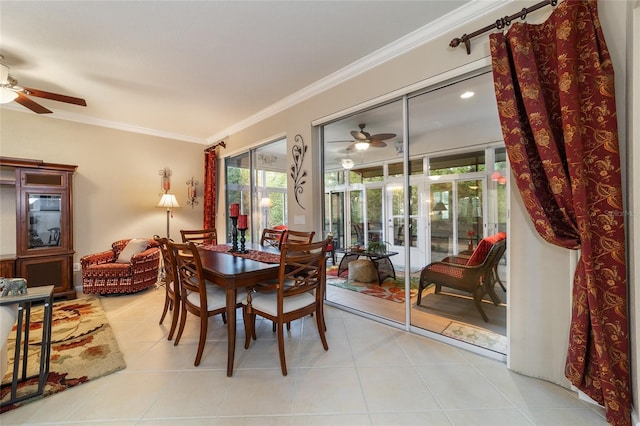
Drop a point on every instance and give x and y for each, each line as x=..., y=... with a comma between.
x=233, y=271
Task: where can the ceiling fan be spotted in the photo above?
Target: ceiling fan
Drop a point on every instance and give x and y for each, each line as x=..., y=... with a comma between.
x=363, y=140
x=10, y=91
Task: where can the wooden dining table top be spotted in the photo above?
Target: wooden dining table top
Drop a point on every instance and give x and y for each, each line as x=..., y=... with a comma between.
x=236, y=271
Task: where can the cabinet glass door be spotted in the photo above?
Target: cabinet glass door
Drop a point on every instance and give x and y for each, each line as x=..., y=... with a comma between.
x=45, y=220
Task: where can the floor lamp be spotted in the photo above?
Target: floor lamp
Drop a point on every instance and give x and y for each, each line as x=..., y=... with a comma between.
x=169, y=202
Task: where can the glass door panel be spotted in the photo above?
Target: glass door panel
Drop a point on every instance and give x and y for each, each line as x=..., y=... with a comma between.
x=334, y=218
x=356, y=214
x=374, y=216
x=470, y=218
x=396, y=225
x=442, y=229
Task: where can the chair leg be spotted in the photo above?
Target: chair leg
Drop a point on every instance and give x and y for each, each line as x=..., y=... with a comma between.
x=283, y=360
x=495, y=272
x=477, y=300
x=249, y=320
x=322, y=326
x=204, y=321
x=183, y=321
x=174, y=320
x=167, y=303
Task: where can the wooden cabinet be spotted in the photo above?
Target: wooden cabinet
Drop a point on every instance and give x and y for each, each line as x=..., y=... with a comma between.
x=7, y=266
x=44, y=220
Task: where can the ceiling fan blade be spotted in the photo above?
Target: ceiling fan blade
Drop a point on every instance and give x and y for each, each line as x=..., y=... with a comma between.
x=383, y=136
x=32, y=105
x=376, y=143
x=55, y=96
x=361, y=136
x=344, y=141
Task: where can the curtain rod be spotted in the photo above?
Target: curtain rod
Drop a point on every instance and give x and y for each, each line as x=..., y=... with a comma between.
x=499, y=24
x=215, y=145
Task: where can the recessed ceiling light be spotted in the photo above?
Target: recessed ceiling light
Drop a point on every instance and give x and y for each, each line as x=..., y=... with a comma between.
x=467, y=95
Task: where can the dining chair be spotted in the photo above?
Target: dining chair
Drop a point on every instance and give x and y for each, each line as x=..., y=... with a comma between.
x=272, y=237
x=298, y=292
x=199, y=296
x=199, y=236
x=171, y=285
x=297, y=237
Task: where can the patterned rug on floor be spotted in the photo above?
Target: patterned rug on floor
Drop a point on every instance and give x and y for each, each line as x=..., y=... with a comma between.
x=83, y=348
x=476, y=336
x=391, y=289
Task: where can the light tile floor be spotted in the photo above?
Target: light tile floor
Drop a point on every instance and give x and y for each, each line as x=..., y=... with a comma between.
x=372, y=375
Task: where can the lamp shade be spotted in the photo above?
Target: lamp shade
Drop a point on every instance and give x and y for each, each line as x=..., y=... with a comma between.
x=266, y=203
x=168, y=201
x=439, y=207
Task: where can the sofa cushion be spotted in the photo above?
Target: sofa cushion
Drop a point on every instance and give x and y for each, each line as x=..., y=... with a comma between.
x=480, y=253
x=133, y=247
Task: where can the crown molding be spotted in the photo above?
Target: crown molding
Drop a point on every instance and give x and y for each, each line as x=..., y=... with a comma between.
x=92, y=121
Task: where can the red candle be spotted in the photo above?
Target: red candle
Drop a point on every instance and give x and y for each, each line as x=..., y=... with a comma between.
x=242, y=221
x=234, y=210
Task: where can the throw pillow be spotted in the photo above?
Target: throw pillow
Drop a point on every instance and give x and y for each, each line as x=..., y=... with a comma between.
x=483, y=248
x=133, y=247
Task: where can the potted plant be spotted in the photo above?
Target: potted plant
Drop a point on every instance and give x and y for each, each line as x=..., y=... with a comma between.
x=377, y=247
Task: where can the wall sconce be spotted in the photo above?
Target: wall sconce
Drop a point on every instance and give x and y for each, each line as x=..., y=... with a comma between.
x=191, y=192
x=165, y=179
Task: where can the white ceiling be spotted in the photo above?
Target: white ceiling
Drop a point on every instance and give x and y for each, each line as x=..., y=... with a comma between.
x=196, y=70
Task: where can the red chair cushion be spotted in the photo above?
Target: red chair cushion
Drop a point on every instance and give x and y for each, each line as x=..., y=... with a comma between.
x=480, y=253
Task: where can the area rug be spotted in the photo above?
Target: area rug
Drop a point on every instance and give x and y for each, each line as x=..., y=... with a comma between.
x=83, y=348
x=391, y=289
x=476, y=336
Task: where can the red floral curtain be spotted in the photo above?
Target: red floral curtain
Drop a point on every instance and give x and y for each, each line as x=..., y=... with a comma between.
x=210, y=188
x=555, y=94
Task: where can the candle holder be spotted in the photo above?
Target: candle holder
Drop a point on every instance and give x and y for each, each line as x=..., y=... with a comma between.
x=234, y=234
x=242, y=241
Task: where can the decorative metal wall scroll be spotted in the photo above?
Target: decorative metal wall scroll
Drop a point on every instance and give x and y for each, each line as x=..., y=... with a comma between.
x=297, y=174
x=192, y=196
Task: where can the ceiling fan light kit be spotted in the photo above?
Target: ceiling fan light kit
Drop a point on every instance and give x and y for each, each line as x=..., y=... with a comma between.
x=362, y=145
x=7, y=96
x=347, y=163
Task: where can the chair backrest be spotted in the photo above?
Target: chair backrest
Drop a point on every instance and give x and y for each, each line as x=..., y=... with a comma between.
x=189, y=270
x=169, y=262
x=479, y=255
x=302, y=270
x=272, y=237
x=299, y=237
x=199, y=236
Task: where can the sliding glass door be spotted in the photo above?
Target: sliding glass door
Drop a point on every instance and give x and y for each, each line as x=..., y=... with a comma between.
x=429, y=197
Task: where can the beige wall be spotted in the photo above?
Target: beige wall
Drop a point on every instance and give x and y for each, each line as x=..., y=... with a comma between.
x=116, y=186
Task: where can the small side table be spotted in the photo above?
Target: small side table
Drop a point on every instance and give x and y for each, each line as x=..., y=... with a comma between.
x=43, y=294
